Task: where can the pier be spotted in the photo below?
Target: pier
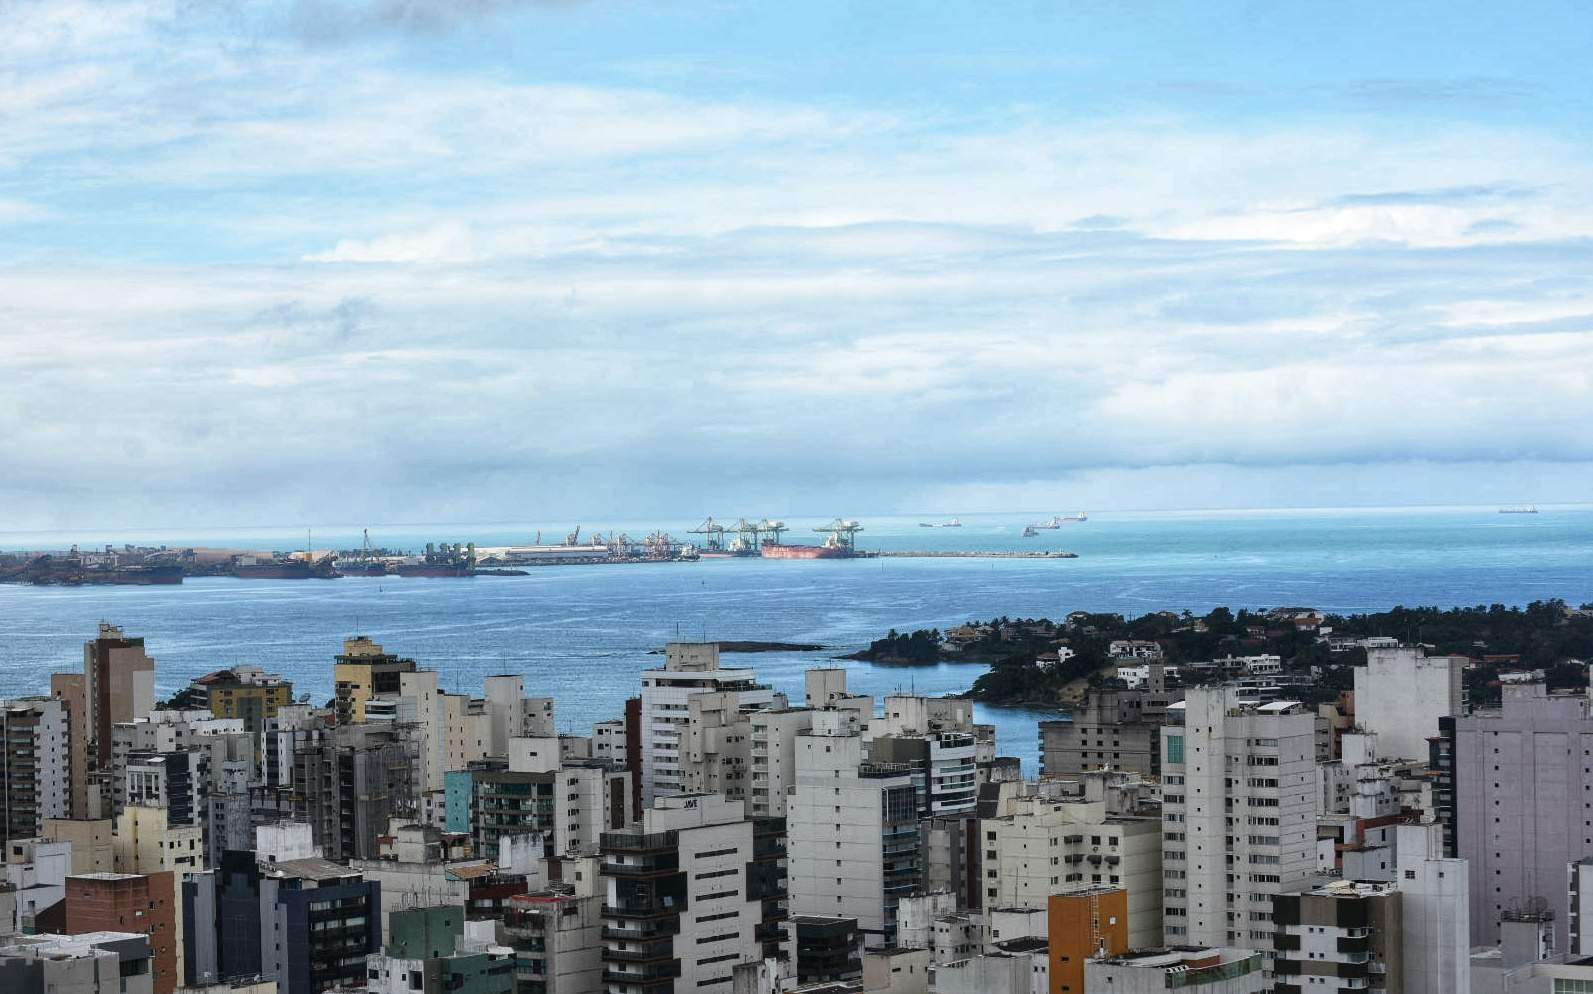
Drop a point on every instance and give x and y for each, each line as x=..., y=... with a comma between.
x=974, y=554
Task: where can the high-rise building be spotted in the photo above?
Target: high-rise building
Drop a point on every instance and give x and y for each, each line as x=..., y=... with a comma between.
x=557, y=939
x=1337, y=937
x=68, y=688
x=853, y=840
x=306, y=923
x=1402, y=693
x=348, y=781
x=568, y=803
x=1516, y=791
x=1435, y=916
x=677, y=911
x=1238, y=815
x=1041, y=846
x=1090, y=922
x=130, y=902
x=35, y=770
x=1113, y=729
x=363, y=671
x=118, y=686
x=245, y=692
x=690, y=668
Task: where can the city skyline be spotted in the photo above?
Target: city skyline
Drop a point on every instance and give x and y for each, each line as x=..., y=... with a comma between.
x=503, y=261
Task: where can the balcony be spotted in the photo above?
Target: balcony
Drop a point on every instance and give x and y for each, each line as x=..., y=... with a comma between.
x=656, y=952
x=655, y=929
x=653, y=868
x=642, y=909
x=639, y=842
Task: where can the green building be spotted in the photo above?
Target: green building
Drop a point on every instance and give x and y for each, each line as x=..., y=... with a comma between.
x=436, y=951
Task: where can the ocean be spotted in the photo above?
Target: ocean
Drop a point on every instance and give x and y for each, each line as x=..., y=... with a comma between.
x=582, y=634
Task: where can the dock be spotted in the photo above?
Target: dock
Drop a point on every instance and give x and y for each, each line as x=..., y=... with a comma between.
x=975, y=554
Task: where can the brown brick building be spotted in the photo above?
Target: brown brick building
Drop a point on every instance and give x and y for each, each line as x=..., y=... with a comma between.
x=129, y=902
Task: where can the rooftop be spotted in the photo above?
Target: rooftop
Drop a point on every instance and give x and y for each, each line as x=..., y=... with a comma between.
x=311, y=868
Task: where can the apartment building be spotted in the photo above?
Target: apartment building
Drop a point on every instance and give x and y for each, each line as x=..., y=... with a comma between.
x=1041, y=846
x=690, y=668
x=1516, y=793
x=853, y=833
x=1238, y=815
x=557, y=938
x=363, y=671
x=677, y=909
x=35, y=769
x=350, y=780
x=1401, y=694
x=128, y=902
x=1113, y=729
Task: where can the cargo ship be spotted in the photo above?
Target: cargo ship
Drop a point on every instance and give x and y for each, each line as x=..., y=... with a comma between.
x=247, y=567
x=829, y=550
x=841, y=543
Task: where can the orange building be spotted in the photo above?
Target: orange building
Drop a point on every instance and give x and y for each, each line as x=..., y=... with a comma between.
x=129, y=902
x=1082, y=924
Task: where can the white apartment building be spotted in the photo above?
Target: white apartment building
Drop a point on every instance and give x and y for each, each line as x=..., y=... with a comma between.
x=1238, y=815
x=690, y=668
x=1401, y=693
x=773, y=737
x=1042, y=846
x=608, y=741
x=852, y=831
x=676, y=904
x=511, y=714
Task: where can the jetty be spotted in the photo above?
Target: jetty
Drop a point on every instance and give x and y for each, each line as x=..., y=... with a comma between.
x=975, y=554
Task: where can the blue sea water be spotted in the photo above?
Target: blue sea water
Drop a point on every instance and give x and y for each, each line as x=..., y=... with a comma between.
x=583, y=633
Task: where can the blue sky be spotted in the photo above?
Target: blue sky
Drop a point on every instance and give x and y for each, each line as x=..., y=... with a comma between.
x=407, y=261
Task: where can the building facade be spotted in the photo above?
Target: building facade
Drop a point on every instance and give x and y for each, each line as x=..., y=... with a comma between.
x=1238, y=815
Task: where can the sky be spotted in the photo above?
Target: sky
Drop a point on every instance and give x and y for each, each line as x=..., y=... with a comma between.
x=484, y=260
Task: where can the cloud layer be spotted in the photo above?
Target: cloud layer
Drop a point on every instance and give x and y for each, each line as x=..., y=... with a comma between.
x=322, y=267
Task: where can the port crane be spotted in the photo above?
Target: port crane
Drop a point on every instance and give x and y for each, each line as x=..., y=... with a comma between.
x=573, y=537
x=844, y=532
x=746, y=536
x=715, y=542
x=769, y=531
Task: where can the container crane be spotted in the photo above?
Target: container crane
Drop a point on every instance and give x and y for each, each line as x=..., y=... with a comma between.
x=844, y=532
x=715, y=532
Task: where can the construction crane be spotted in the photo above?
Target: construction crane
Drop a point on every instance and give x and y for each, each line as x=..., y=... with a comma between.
x=769, y=531
x=746, y=537
x=844, y=530
x=715, y=532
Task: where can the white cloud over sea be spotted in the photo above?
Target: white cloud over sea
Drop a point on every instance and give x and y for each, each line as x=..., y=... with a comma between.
x=405, y=262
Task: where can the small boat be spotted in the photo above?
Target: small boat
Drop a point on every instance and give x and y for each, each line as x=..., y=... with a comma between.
x=1029, y=531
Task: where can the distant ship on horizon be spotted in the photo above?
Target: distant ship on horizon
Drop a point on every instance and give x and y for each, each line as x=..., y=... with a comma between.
x=953, y=523
x=1058, y=520
x=1523, y=509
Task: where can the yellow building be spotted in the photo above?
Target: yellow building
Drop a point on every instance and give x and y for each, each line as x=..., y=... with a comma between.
x=1081, y=925
x=246, y=692
x=363, y=671
x=92, y=849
